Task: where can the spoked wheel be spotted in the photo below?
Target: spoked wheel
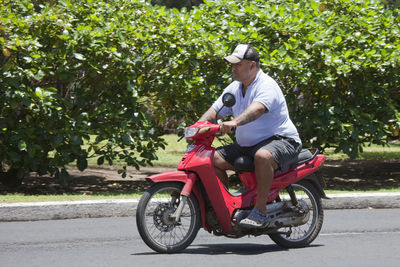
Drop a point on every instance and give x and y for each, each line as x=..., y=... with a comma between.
x=302, y=235
x=156, y=225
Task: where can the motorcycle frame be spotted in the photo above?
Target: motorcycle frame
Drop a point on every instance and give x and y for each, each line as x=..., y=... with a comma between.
x=196, y=164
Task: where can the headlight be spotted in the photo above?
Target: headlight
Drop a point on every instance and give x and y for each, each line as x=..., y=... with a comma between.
x=189, y=132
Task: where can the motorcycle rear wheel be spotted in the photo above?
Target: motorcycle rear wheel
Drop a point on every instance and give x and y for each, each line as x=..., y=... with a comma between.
x=302, y=235
x=157, y=229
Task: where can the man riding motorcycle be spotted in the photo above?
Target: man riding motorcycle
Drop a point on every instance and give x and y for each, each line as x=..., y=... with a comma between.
x=264, y=130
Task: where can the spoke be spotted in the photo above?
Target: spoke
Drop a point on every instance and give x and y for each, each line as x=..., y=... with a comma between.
x=302, y=231
x=174, y=236
x=174, y=233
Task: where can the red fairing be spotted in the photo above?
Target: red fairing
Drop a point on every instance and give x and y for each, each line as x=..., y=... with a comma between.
x=294, y=175
x=206, y=132
x=200, y=162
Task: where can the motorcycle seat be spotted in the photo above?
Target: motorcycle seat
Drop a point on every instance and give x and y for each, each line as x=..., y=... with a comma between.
x=246, y=164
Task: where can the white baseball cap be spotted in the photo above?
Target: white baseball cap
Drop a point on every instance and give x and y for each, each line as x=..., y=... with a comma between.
x=243, y=51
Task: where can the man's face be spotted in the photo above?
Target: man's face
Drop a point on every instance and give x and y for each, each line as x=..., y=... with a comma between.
x=242, y=71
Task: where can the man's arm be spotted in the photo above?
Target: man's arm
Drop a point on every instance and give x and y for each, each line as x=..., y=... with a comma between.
x=251, y=113
x=210, y=115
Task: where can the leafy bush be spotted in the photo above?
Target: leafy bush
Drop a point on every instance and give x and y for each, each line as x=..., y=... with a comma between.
x=68, y=72
x=98, y=72
x=337, y=61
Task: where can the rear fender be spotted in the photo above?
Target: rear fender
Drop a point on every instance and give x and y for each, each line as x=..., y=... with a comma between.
x=318, y=181
x=189, y=180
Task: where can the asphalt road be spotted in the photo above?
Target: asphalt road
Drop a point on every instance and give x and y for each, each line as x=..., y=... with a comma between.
x=368, y=237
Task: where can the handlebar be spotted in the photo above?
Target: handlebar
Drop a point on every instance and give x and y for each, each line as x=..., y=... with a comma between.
x=201, y=129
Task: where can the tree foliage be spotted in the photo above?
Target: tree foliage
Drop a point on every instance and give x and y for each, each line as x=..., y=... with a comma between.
x=68, y=72
x=337, y=61
x=98, y=72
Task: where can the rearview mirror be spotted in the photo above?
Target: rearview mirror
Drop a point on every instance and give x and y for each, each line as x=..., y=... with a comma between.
x=228, y=100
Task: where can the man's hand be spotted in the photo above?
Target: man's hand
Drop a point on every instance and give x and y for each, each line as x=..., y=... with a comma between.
x=228, y=126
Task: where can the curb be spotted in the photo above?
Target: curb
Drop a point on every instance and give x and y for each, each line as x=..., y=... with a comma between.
x=362, y=201
x=60, y=210
x=122, y=208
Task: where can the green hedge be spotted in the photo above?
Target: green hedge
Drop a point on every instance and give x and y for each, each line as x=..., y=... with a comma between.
x=337, y=61
x=72, y=70
x=69, y=71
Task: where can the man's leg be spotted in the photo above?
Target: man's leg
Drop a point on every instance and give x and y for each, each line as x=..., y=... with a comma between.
x=220, y=167
x=265, y=166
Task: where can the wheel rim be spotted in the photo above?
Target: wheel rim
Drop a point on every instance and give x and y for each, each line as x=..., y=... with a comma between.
x=158, y=224
x=302, y=232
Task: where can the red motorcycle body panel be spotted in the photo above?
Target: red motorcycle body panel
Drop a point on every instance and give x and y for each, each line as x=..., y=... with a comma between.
x=200, y=161
x=196, y=163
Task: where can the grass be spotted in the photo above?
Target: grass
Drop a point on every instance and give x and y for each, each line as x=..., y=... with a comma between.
x=16, y=197
x=373, y=152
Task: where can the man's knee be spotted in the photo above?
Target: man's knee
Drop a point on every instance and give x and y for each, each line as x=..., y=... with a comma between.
x=220, y=163
x=263, y=156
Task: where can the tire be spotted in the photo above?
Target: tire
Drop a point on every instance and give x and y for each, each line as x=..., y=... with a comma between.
x=154, y=225
x=303, y=235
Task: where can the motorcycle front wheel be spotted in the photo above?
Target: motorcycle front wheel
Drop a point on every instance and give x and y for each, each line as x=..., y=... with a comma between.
x=302, y=235
x=154, y=222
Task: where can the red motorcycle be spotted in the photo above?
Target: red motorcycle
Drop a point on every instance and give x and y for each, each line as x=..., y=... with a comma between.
x=173, y=209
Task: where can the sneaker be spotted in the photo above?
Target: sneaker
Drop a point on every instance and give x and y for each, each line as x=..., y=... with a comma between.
x=256, y=219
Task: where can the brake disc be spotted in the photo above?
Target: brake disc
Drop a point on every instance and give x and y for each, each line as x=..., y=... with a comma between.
x=162, y=217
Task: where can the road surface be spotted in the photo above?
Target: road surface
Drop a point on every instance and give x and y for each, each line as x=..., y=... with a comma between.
x=348, y=238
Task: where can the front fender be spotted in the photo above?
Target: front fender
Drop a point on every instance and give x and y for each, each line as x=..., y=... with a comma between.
x=188, y=179
x=177, y=176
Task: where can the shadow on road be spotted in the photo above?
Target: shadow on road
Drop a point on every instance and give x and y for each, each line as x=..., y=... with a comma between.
x=226, y=249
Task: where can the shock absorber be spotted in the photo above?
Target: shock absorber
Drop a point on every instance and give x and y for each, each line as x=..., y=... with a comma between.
x=292, y=195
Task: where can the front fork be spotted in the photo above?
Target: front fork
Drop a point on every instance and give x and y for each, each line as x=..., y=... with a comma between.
x=178, y=212
x=185, y=193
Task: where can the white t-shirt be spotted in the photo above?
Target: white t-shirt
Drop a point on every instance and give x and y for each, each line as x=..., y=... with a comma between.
x=276, y=121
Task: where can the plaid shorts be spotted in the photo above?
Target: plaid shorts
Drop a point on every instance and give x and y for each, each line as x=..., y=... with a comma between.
x=284, y=150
